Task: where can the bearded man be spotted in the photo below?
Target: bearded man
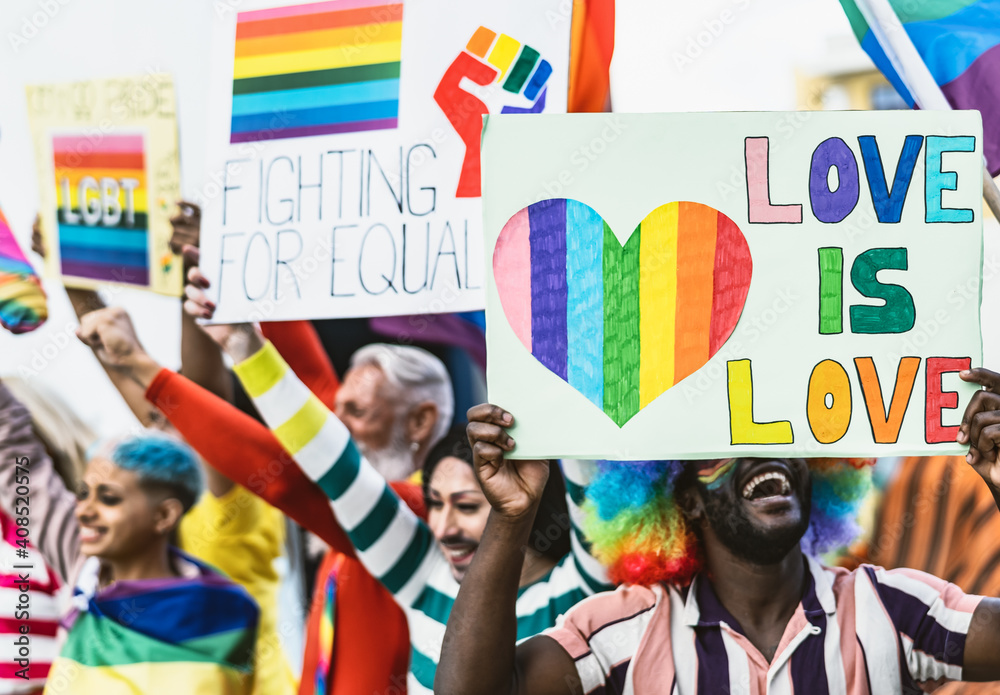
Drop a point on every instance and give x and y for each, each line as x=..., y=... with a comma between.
x=725, y=593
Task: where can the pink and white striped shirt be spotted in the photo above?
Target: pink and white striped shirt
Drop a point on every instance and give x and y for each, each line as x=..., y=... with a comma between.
x=33, y=606
x=871, y=632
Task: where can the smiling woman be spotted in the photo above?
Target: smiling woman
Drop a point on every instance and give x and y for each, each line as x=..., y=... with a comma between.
x=133, y=495
x=182, y=623
x=161, y=618
x=457, y=510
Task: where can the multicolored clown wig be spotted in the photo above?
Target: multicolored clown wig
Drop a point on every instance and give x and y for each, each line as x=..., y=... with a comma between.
x=638, y=531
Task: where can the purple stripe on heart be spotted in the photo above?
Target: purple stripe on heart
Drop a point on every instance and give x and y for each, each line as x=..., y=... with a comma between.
x=548, y=283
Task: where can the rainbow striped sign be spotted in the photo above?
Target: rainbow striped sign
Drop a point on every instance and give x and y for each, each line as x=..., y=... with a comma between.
x=316, y=69
x=102, y=208
x=622, y=325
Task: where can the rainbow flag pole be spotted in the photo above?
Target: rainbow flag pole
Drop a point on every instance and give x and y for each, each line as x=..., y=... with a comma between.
x=895, y=54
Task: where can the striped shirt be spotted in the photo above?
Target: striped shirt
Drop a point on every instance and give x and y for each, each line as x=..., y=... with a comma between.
x=394, y=544
x=937, y=516
x=871, y=632
x=38, y=612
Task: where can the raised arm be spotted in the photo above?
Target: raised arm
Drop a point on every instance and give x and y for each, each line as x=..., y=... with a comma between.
x=486, y=661
x=299, y=344
x=392, y=542
x=260, y=463
x=53, y=530
x=980, y=429
x=84, y=302
x=201, y=359
x=209, y=425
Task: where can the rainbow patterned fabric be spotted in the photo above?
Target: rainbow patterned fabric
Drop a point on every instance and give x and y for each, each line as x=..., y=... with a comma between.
x=959, y=40
x=316, y=69
x=158, y=637
x=327, y=625
x=22, y=301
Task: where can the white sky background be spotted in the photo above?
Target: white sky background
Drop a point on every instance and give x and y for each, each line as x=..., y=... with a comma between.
x=711, y=55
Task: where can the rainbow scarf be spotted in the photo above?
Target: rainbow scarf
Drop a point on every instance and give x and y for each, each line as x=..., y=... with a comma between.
x=192, y=634
x=328, y=619
x=959, y=40
x=22, y=301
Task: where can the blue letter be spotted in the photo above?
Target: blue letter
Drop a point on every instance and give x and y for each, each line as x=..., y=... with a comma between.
x=889, y=205
x=937, y=180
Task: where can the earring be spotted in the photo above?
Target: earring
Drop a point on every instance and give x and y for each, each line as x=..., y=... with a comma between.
x=414, y=446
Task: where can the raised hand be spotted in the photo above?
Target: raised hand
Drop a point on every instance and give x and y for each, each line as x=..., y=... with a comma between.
x=488, y=59
x=980, y=427
x=187, y=227
x=239, y=340
x=37, y=240
x=513, y=488
x=110, y=334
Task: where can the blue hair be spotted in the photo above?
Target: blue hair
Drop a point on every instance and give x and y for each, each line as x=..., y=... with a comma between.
x=163, y=462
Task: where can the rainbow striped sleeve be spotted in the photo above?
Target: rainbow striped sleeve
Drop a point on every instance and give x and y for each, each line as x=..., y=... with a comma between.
x=594, y=575
x=393, y=543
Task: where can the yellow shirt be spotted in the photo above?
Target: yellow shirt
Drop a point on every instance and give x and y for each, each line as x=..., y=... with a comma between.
x=241, y=535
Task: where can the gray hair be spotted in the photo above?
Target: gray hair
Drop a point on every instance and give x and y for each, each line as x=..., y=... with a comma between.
x=419, y=376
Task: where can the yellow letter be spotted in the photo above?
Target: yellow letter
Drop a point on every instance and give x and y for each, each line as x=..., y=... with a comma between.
x=742, y=428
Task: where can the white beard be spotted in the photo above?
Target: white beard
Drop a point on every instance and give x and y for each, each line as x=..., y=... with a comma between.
x=394, y=461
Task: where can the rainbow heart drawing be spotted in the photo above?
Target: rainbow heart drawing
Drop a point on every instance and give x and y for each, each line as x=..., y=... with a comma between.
x=622, y=324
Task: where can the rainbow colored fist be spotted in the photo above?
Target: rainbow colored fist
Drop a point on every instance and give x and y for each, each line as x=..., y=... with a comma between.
x=488, y=59
x=22, y=302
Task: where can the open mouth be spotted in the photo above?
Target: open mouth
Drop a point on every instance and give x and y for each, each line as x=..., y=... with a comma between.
x=762, y=486
x=89, y=534
x=459, y=555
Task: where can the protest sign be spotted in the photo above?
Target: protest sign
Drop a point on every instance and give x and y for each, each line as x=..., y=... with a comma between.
x=344, y=169
x=723, y=284
x=108, y=175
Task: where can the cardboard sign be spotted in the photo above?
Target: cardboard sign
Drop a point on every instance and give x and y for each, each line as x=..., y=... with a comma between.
x=345, y=175
x=109, y=175
x=723, y=284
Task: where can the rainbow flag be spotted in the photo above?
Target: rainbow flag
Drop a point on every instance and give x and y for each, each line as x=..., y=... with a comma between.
x=159, y=637
x=316, y=69
x=959, y=41
x=621, y=324
x=101, y=193
x=22, y=302
x=327, y=629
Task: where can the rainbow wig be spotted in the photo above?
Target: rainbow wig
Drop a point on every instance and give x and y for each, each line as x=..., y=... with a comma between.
x=638, y=531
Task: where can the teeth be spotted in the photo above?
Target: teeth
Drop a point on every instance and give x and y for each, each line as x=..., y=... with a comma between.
x=89, y=534
x=785, y=485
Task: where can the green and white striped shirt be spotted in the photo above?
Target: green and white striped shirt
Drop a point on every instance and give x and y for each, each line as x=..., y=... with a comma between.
x=393, y=543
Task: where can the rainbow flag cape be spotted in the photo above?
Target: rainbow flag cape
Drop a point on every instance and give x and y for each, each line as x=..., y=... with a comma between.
x=959, y=41
x=22, y=302
x=158, y=637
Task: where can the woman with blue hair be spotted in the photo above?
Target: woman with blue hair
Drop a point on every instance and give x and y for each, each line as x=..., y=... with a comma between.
x=145, y=616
